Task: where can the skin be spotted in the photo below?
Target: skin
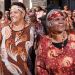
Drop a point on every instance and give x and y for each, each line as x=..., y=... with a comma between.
x=65, y=7
x=17, y=19
x=16, y=16
x=58, y=25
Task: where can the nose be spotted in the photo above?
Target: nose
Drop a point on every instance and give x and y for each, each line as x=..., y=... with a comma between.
x=61, y=20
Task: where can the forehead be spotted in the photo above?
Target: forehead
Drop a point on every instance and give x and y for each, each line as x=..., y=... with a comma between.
x=55, y=14
x=15, y=8
x=59, y=17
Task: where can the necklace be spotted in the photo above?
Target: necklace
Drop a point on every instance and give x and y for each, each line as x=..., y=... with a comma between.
x=60, y=45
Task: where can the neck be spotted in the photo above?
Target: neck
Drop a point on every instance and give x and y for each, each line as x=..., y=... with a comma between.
x=60, y=37
x=21, y=22
x=19, y=25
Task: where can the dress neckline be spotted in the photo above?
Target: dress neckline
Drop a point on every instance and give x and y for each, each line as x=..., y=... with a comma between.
x=61, y=44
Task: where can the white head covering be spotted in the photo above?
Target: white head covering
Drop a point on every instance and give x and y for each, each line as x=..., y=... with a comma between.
x=15, y=7
x=52, y=15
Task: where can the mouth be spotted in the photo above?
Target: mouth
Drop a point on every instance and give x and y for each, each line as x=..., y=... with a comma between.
x=57, y=32
x=60, y=24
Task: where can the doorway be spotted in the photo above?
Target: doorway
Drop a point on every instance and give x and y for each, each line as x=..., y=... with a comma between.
x=7, y=4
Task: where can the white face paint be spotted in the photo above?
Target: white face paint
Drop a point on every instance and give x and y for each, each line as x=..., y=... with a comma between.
x=16, y=14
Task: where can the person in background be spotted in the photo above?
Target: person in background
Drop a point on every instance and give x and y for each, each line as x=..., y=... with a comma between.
x=69, y=21
x=39, y=12
x=65, y=9
x=1, y=69
x=73, y=18
x=1, y=15
x=7, y=17
x=15, y=43
x=56, y=52
x=37, y=32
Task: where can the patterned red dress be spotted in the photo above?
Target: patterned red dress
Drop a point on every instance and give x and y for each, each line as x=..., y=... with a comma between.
x=51, y=60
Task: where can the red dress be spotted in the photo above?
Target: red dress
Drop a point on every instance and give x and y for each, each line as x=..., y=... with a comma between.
x=51, y=60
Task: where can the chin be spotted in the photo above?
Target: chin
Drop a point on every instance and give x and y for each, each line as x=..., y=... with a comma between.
x=14, y=21
x=61, y=29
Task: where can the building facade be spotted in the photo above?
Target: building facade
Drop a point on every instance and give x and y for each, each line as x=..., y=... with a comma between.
x=5, y=4
x=2, y=5
x=61, y=3
x=32, y=3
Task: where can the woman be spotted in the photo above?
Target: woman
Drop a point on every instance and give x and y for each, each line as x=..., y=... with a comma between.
x=65, y=9
x=69, y=21
x=37, y=32
x=16, y=37
x=56, y=54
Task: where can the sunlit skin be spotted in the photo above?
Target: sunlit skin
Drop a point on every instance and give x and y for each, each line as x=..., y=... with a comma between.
x=58, y=23
x=73, y=13
x=58, y=29
x=65, y=7
x=17, y=19
x=16, y=16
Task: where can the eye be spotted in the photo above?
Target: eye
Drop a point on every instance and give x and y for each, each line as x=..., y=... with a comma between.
x=63, y=19
x=13, y=12
x=57, y=19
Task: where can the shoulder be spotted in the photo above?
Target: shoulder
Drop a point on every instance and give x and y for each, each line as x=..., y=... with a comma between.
x=71, y=36
x=6, y=32
x=45, y=41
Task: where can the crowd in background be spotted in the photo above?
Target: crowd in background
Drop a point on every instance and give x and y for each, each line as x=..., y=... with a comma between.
x=35, y=20
x=40, y=15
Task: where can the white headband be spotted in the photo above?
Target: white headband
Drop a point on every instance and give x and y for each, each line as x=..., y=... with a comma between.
x=15, y=7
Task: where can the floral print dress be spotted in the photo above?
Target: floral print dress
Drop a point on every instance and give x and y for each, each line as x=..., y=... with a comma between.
x=51, y=60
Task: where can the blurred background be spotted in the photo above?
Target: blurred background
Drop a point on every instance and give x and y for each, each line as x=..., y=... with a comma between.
x=49, y=4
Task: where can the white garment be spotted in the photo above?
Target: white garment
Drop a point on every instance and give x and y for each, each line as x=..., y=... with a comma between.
x=29, y=43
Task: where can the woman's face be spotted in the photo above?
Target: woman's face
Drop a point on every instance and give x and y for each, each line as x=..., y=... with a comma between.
x=16, y=15
x=58, y=23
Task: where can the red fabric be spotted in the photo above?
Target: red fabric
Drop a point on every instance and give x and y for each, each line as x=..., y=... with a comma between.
x=49, y=60
x=54, y=15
